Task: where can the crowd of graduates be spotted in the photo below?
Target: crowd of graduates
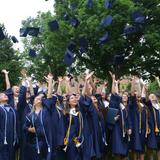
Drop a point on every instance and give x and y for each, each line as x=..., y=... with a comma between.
x=76, y=119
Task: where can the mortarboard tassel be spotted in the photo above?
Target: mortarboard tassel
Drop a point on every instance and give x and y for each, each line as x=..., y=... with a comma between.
x=155, y=122
x=5, y=140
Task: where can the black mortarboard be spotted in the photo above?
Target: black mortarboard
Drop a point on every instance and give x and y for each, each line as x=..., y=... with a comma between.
x=23, y=32
x=68, y=57
x=32, y=53
x=138, y=17
x=129, y=29
x=106, y=4
x=14, y=39
x=89, y=4
x=53, y=25
x=83, y=42
x=66, y=17
x=33, y=31
x=118, y=59
x=104, y=39
x=74, y=22
x=106, y=21
x=2, y=36
x=71, y=46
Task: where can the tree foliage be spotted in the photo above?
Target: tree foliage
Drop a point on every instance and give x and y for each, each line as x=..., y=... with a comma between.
x=140, y=49
x=9, y=60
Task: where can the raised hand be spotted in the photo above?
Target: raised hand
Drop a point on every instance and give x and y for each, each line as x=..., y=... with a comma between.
x=112, y=75
x=88, y=76
x=24, y=73
x=5, y=71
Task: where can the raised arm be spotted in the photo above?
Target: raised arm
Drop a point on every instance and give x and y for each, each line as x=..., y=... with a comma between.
x=50, y=86
x=85, y=90
x=114, y=84
x=135, y=86
x=8, y=85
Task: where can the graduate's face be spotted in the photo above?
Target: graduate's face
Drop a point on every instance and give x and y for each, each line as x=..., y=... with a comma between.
x=94, y=99
x=153, y=97
x=38, y=100
x=73, y=101
x=124, y=98
x=15, y=90
x=3, y=97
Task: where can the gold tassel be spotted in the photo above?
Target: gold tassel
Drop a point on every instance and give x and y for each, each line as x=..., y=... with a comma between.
x=155, y=121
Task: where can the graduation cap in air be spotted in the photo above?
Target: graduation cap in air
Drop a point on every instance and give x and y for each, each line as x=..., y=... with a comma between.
x=66, y=17
x=106, y=4
x=129, y=29
x=83, y=42
x=106, y=21
x=23, y=32
x=2, y=36
x=89, y=4
x=138, y=17
x=82, y=50
x=14, y=39
x=74, y=22
x=33, y=31
x=53, y=25
x=104, y=39
x=118, y=59
x=71, y=46
x=32, y=53
x=68, y=57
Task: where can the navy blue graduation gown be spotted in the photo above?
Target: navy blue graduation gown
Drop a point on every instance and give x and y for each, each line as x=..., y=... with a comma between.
x=119, y=142
x=8, y=118
x=35, y=147
x=153, y=139
x=86, y=108
x=49, y=117
x=73, y=153
x=138, y=139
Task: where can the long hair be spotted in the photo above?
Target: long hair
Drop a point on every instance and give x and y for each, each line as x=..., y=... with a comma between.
x=67, y=105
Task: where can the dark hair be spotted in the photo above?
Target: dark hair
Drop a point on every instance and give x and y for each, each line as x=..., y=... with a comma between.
x=67, y=105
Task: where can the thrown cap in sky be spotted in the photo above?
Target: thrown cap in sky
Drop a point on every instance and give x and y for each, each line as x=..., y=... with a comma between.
x=2, y=36
x=104, y=39
x=32, y=53
x=33, y=31
x=14, y=39
x=138, y=17
x=83, y=42
x=89, y=4
x=74, y=22
x=106, y=4
x=68, y=57
x=106, y=21
x=53, y=25
x=129, y=29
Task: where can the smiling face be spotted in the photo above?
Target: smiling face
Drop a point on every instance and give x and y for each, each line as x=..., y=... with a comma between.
x=15, y=90
x=3, y=98
x=73, y=101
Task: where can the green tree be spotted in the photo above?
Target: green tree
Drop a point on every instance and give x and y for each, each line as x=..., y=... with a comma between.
x=9, y=60
x=140, y=48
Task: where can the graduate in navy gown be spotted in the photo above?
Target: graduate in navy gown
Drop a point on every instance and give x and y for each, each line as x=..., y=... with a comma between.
x=138, y=113
x=8, y=129
x=11, y=92
x=121, y=129
x=42, y=126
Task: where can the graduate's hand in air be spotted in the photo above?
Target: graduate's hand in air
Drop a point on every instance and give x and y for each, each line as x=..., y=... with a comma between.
x=49, y=77
x=32, y=129
x=112, y=75
x=5, y=71
x=88, y=76
x=156, y=78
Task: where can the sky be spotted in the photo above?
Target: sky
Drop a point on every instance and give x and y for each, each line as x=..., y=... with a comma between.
x=12, y=12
